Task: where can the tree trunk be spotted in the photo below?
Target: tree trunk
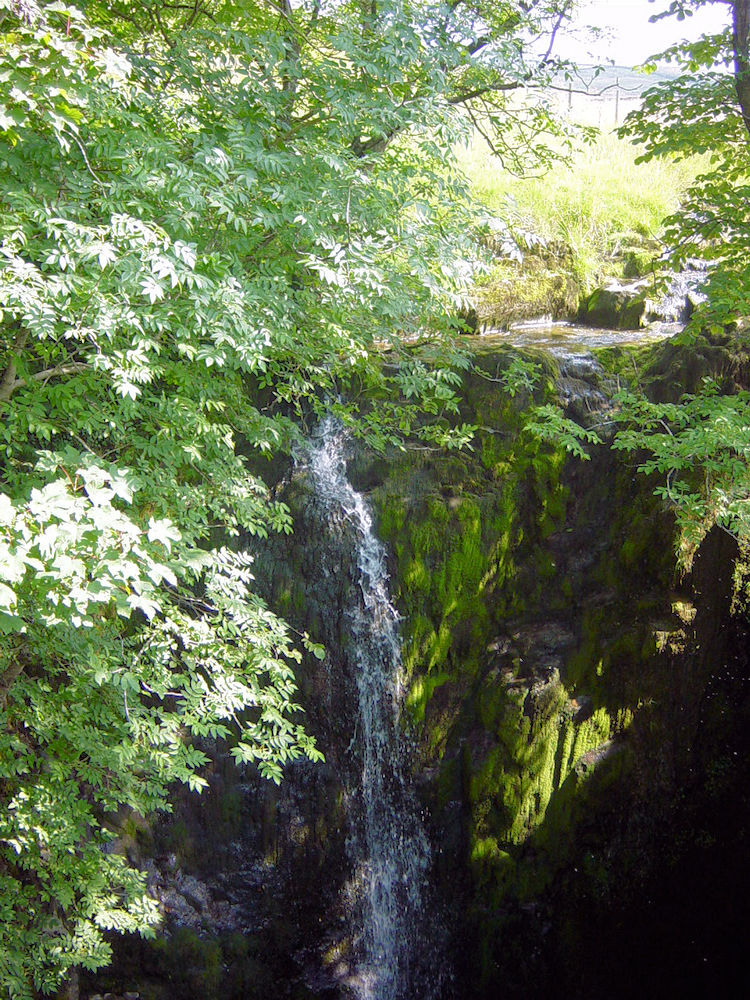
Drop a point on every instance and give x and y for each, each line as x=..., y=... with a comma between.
x=8, y=377
x=72, y=989
x=9, y=677
x=741, y=43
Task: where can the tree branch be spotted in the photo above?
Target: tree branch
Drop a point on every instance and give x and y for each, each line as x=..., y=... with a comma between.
x=490, y=88
x=741, y=45
x=86, y=160
x=11, y=675
x=477, y=44
x=8, y=387
x=558, y=24
x=8, y=381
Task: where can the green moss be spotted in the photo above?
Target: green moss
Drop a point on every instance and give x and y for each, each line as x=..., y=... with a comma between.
x=538, y=744
x=566, y=753
x=459, y=539
x=542, y=285
x=475, y=540
x=194, y=965
x=419, y=694
x=452, y=553
x=491, y=865
x=590, y=735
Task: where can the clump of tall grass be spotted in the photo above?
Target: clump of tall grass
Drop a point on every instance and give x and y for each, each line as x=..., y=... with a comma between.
x=606, y=208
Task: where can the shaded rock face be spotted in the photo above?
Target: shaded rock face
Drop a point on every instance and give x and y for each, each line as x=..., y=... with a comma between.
x=575, y=703
x=579, y=719
x=253, y=879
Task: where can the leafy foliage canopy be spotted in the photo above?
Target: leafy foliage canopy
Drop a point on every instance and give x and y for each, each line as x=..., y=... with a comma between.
x=214, y=217
x=700, y=445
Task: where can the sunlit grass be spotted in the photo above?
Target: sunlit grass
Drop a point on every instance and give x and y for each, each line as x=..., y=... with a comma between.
x=603, y=206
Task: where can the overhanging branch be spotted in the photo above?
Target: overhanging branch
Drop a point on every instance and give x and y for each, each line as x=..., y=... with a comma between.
x=9, y=385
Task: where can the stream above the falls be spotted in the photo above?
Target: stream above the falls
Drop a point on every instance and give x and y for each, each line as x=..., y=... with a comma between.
x=566, y=339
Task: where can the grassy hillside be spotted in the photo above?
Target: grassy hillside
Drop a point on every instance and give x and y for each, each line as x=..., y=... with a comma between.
x=602, y=206
x=602, y=214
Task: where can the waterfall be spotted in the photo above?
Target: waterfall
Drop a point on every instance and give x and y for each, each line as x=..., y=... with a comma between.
x=388, y=845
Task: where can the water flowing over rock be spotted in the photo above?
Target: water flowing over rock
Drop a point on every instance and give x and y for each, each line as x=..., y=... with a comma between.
x=583, y=387
x=388, y=845
x=629, y=305
x=682, y=295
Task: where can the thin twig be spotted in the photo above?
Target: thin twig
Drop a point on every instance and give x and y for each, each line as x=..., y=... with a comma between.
x=90, y=169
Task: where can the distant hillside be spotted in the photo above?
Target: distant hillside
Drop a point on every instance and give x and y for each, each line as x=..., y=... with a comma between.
x=602, y=96
x=598, y=80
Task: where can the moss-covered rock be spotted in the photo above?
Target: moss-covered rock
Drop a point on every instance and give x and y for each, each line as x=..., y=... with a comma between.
x=542, y=632
x=543, y=283
x=618, y=305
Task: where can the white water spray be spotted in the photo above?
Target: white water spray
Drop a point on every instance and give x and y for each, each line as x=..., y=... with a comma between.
x=392, y=853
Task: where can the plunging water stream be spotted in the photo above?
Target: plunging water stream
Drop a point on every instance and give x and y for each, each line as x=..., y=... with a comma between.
x=389, y=848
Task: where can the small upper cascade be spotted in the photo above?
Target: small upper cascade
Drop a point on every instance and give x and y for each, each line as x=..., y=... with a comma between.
x=682, y=295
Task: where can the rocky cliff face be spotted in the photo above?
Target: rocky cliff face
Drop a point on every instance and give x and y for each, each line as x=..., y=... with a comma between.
x=578, y=720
